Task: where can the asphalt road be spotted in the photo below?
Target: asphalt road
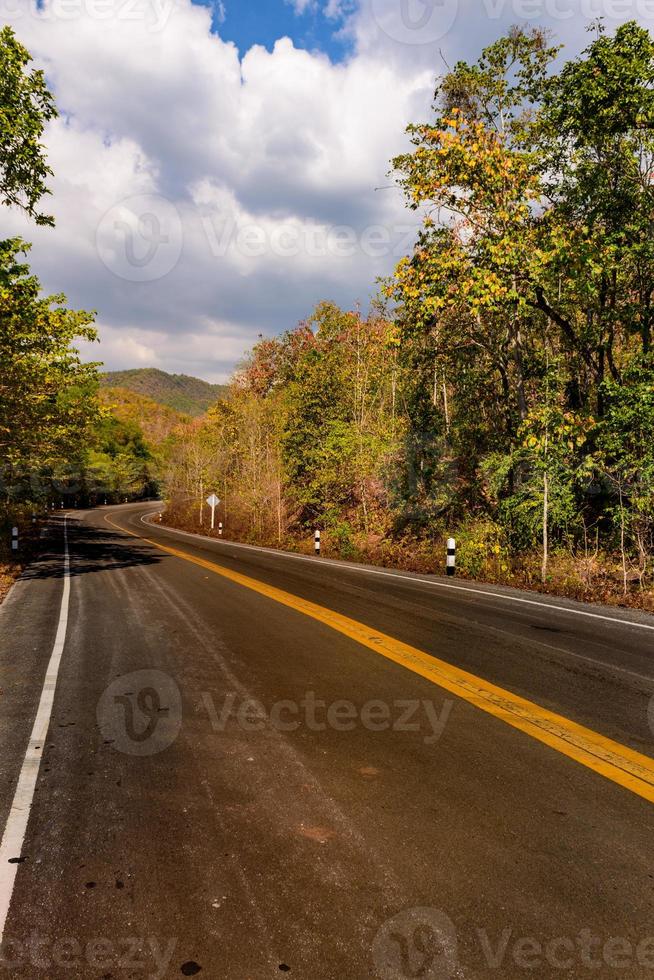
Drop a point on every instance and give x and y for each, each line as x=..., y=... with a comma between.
x=243, y=765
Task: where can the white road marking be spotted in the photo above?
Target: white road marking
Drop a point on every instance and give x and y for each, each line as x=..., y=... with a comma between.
x=408, y=578
x=16, y=827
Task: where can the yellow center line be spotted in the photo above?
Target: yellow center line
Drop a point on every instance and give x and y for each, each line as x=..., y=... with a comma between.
x=602, y=755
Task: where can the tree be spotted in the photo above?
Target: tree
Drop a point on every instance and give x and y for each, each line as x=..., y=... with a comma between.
x=26, y=106
x=47, y=395
x=536, y=189
x=595, y=138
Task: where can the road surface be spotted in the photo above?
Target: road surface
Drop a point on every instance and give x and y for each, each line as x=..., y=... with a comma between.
x=233, y=763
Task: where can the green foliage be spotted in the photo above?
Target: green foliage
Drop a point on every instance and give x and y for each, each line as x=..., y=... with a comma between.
x=626, y=450
x=482, y=550
x=47, y=395
x=308, y=431
x=25, y=106
x=48, y=403
x=530, y=292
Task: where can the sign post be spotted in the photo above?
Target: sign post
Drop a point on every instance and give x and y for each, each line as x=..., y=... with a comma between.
x=213, y=502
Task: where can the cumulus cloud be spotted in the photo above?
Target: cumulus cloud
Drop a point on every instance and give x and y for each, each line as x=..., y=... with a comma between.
x=203, y=198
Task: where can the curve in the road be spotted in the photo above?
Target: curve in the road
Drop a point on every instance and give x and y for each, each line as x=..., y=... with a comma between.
x=604, y=756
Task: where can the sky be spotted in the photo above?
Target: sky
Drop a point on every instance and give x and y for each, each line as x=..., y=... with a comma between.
x=221, y=168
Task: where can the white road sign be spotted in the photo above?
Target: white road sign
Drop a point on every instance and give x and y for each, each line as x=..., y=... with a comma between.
x=213, y=500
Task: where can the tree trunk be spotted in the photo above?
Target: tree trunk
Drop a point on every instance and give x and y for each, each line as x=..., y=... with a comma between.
x=446, y=407
x=622, y=544
x=543, y=574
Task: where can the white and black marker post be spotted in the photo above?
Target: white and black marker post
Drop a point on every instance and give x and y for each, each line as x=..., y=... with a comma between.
x=317, y=542
x=451, y=556
x=213, y=502
x=14, y=539
x=220, y=528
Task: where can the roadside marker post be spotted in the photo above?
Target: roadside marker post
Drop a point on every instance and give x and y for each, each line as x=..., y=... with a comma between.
x=213, y=502
x=220, y=528
x=317, y=542
x=451, y=556
x=14, y=539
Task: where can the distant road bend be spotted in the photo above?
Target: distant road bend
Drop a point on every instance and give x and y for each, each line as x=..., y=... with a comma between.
x=231, y=762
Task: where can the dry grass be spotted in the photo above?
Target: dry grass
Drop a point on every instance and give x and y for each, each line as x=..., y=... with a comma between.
x=9, y=572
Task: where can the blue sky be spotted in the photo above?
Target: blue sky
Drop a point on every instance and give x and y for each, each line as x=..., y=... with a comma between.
x=249, y=22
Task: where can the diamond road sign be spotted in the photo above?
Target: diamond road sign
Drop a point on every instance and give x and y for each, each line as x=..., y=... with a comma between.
x=213, y=500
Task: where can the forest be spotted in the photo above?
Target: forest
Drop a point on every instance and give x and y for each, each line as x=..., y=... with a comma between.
x=500, y=389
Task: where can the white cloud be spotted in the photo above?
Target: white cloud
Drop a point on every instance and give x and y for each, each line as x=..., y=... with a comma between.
x=301, y=6
x=245, y=188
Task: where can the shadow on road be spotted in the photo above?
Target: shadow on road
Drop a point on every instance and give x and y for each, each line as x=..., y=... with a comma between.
x=91, y=550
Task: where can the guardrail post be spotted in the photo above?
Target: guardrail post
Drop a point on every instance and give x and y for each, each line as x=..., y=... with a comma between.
x=317, y=542
x=451, y=556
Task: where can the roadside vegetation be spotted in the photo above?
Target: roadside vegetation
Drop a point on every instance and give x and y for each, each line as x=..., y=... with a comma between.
x=500, y=390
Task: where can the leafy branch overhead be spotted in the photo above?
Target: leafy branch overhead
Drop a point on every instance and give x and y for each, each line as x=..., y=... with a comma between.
x=26, y=105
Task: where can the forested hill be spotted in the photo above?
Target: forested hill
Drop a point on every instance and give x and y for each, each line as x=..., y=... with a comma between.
x=179, y=391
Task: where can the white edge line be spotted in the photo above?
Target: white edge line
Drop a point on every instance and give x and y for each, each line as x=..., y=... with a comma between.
x=408, y=578
x=16, y=826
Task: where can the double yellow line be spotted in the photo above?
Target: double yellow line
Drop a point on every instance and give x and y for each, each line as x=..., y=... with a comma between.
x=602, y=755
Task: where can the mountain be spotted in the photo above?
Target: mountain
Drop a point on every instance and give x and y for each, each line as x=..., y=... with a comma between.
x=192, y=396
